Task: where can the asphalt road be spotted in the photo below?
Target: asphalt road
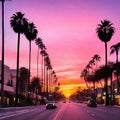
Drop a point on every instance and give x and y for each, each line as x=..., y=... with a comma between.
x=64, y=111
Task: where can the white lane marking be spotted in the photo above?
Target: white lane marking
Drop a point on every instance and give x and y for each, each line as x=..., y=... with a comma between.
x=55, y=118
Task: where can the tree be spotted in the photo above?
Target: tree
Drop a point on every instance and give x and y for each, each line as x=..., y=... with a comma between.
x=24, y=75
x=31, y=34
x=96, y=59
x=36, y=86
x=38, y=41
x=84, y=74
x=105, y=31
x=19, y=24
x=41, y=46
x=115, y=49
x=44, y=54
x=48, y=65
x=92, y=78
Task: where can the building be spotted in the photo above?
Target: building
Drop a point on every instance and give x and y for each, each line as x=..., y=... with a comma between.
x=10, y=86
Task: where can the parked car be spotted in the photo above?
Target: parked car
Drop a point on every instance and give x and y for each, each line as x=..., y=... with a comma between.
x=51, y=105
x=91, y=103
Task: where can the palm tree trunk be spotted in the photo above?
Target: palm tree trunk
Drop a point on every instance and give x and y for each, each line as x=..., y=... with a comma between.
x=111, y=90
x=2, y=68
x=29, y=61
x=17, y=72
x=42, y=69
x=37, y=60
x=101, y=83
x=106, y=83
x=47, y=80
x=44, y=77
x=36, y=96
x=29, y=71
x=118, y=84
x=94, y=88
x=86, y=83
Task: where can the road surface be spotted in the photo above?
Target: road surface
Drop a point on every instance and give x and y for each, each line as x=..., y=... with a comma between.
x=64, y=111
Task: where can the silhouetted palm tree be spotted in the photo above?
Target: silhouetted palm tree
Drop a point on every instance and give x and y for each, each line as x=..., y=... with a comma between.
x=19, y=23
x=38, y=41
x=31, y=34
x=105, y=31
x=96, y=59
x=36, y=86
x=23, y=81
x=115, y=49
x=44, y=54
x=40, y=44
x=52, y=78
x=48, y=65
x=2, y=65
x=92, y=78
x=84, y=74
x=111, y=68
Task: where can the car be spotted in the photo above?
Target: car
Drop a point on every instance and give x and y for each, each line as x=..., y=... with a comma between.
x=92, y=103
x=51, y=105
x=64, y=101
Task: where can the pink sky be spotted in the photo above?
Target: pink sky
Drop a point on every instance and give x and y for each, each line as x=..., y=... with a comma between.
x=68, y=29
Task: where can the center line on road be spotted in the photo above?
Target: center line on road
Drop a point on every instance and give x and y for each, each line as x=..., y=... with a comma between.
x=55, y=118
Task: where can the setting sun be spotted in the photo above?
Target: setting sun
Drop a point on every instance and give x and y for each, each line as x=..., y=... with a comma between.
x=57, y=54
x=67, y=93
x=69, y=89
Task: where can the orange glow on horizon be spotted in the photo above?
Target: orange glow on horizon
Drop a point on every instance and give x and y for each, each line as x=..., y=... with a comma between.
x=69, y=89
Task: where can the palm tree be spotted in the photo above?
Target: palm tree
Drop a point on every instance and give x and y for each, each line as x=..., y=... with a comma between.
x=44, y=54
x=47, y=64
x=105, y=31
x=31, y=34
x=84, y=74
x=115, y=49
x=40, y=45
x=52, y=78
x=96, y=59
x=36, y=86
x=38, y=41
x=111, y=68
x=2, y=65
x=24, y=75
x=19, y=23
x=92, y=78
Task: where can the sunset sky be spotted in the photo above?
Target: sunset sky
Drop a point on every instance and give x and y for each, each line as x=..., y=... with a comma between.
x=68, y=29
